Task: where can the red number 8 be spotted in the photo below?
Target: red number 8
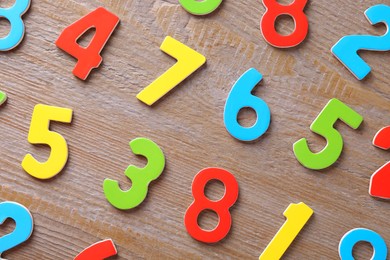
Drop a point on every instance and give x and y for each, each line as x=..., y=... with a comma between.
x=221, y=207
x=295, y=10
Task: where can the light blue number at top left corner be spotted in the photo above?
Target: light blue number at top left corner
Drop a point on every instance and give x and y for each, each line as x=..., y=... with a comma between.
x=14, y=15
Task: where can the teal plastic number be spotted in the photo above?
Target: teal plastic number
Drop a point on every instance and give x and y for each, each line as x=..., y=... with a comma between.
x=240, y=97
x=14, y=15
x=200, y=7
x=23, y=225
x=140, y=177
x=347, y=47
x=350, y=239
x=323, y=125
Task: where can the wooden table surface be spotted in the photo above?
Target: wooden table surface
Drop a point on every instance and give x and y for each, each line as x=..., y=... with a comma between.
x=71, y=212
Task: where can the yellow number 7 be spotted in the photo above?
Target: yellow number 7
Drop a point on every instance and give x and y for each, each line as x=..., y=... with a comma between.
x=40, y=134
x=188, y=61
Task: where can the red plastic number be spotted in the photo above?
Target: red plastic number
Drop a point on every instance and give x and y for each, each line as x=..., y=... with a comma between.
x=88, y=58
x=382, y=138
x=221, y=207
x=380, y=180
x=295, y=10
x=98, y=251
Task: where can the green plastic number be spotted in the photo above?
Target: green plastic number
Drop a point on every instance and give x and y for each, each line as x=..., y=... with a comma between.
x=3, y=97
x=140, y=177
x=200, y=7
x=323, y=125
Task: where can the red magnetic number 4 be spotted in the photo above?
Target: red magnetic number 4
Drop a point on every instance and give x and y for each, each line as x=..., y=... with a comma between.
x=380, y=180
x=88, y=58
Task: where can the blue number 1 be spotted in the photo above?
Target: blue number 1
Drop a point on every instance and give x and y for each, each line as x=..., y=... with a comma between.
x=347, y=47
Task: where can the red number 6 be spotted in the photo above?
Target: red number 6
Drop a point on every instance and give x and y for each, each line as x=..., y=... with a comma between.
x=295, y=10
x=221, y=207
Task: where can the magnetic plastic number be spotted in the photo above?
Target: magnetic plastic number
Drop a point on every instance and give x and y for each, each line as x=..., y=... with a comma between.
x=324, y=125
x=347, y=47
x=350, y=239
x=382, y=138
x=188, y=61
x=98, y=251
x=3, y=98
x=23, y=221
x=140, y=177
x=200, y=7
x=14, y=15
x=40, y=134
x=240, y=97
x=88, y=58
x=295, y=10
x=221, y=207
x=380, y=180
x=297, y=216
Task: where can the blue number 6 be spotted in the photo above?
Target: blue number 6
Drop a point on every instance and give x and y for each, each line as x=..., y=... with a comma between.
x=350, y=239
x=347, y=47
x=14, y=15
x=240, y=97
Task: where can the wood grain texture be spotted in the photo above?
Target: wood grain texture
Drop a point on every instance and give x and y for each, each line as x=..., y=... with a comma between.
x=71, y=212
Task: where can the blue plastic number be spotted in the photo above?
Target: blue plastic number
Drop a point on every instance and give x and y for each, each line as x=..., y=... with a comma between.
x=23, y=221
x=240, y=97
x=14, y=15
x=347, y=47
x=354, y=236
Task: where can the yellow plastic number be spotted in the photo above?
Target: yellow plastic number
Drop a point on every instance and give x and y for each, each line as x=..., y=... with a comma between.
x=40, y=134
x=188, y=61
x=297, y=216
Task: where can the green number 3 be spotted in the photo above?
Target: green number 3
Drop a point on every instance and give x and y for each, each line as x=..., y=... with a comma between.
x=140, y=177
x=323, y=125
